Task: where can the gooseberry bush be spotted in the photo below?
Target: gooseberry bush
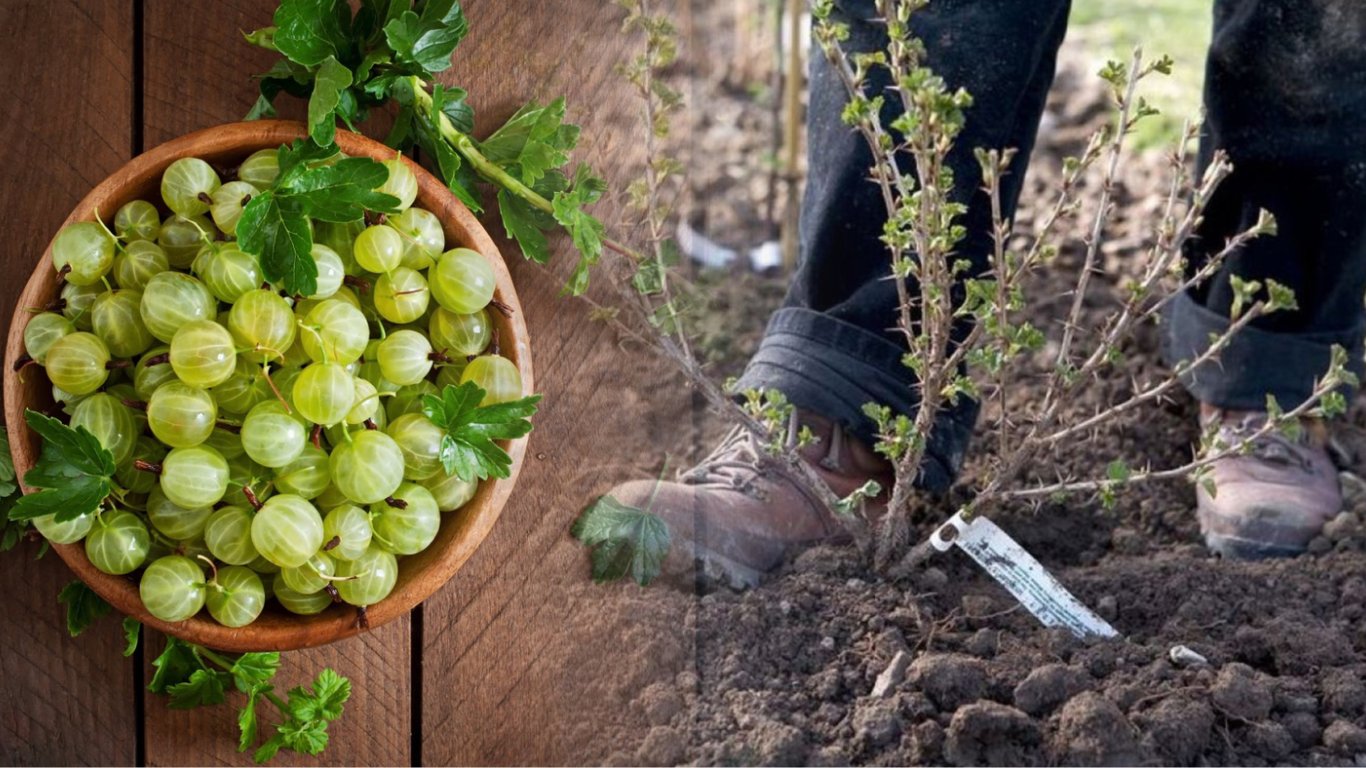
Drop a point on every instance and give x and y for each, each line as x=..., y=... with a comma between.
x=967, y=334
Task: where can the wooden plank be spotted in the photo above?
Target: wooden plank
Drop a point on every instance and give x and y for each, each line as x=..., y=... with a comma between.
x=69, y=70
x=537, y=665
x=198, y=74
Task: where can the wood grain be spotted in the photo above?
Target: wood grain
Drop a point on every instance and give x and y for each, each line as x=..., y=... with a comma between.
x=538, y=665
x=68, y=67
x=197, y=74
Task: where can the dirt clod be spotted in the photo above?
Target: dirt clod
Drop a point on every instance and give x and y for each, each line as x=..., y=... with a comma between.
x=1343, y=692
x=1092, y=731
x=775, y=743
x=877, y=724
x=1345, y=738
x=1049, y=686
x=1178, y=728
x=662, y=746
x=1271, y=740
x=927, y=743
x=1303, y=728
x=1345, y=526
x=987, y=733
x=660, y=703
x=951, y=680
x=1239, y=693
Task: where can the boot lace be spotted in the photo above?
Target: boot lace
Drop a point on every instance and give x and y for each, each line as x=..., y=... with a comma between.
x=735, y=463
x=1274, y=447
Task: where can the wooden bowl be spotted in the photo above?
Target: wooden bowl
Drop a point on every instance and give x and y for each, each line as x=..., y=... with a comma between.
x=420, y=575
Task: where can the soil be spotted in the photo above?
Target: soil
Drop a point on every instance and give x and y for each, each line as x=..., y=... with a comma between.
x=830, y=664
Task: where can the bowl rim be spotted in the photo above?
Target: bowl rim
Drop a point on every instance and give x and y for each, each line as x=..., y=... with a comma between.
x=276, y=630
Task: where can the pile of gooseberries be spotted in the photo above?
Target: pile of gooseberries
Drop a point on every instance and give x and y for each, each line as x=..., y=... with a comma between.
x=266, y=444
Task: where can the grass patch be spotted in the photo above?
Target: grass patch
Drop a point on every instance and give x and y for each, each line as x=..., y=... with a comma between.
x=1110, y=29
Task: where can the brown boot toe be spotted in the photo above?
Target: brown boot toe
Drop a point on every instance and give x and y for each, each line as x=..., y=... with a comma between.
x=1273, y=499
x=739, y=514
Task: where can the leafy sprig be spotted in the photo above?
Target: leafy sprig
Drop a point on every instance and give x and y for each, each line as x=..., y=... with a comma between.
x=193, y=676
x=83, y=606
x=392, y=51
x=73, y=472
x=468, y=450
x=10, y=530
x=274, y=226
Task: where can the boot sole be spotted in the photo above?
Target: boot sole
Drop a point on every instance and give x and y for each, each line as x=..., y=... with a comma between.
x=714, y=568
x=1235, y=548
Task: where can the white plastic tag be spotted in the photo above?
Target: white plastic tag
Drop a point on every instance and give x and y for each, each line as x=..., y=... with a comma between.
x=1023, y=576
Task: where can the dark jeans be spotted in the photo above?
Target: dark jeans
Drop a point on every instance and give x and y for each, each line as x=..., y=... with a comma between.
x=1285, y=95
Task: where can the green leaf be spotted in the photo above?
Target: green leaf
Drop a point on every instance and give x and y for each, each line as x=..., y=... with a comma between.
x=533, y=141
x=585, y=230
x=204, y=688
x=308, y=737
x=468, y=450
x=341, y=192
x=9, y=496
x=267, y=751
x=7, y=476
x=132, y=630
x=626, y=541
x=428, y=40
x=332, y=79
x=312, y=183
x=524, y=224
x=83, y=606
x=13, y=530
x=853, y=503
x=1118, y=471
x=452, y=101
x=253, y=670
x=309, y=31
x=73, y=472
x=331, y=691
x=173, y=666
x=277, y=233
x=300, y=157
x=247, y=723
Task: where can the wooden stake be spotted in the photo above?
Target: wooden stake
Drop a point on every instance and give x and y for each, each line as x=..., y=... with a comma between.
x=794, y=82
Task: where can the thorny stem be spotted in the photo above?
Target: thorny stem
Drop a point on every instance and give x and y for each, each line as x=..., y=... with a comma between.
x=654, y=216
x=1155, y=391
x=1185, y=470
x=997, y=163
x=1088, y=266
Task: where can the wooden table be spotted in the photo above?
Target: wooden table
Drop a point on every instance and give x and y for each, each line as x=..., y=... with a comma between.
x=507, y=662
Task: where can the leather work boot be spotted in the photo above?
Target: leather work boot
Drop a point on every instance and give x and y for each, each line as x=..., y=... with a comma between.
x=1271, y=501
x=739, y=513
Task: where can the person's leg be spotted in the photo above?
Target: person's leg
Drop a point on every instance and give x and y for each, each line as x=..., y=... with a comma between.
x=832, y=348
x=1285, y=96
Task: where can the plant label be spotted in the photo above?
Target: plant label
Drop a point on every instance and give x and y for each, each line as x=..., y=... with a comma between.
x=1024, y=577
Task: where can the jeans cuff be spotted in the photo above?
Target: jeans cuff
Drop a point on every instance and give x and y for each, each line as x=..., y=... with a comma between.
x=833, y=368
x=1256, y=362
